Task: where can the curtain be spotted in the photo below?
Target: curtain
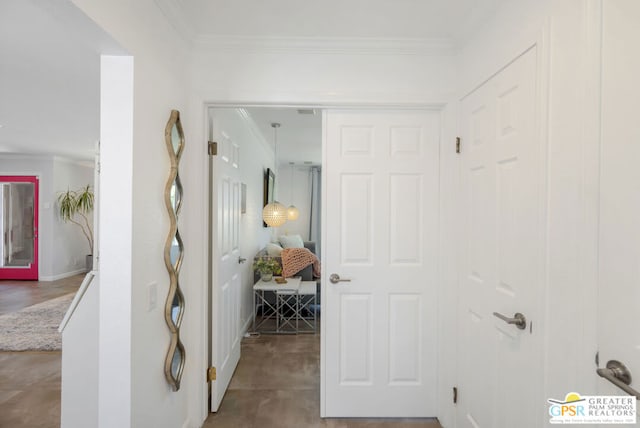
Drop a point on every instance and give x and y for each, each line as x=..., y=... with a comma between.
x=316, y=200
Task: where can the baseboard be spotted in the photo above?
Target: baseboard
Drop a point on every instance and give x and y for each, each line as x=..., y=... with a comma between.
x=62, y=275
x=245, y=326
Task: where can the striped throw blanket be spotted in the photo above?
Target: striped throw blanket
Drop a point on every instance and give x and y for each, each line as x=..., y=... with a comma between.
x=296, y=259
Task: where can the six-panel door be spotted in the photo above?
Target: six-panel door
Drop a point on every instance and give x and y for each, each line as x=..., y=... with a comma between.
x=380, y=225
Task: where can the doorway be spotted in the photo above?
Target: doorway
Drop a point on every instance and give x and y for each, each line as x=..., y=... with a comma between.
x=407, y=246
x=19, y=222
x=246, y=149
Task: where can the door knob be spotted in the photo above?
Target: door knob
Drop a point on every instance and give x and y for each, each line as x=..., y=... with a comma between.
x=518, y=320
x=335, y=278
x=241, y=260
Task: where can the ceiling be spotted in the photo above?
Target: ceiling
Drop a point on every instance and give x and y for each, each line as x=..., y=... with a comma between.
x=453, y=20
x=49, y=78
x=49, y=59
x=299, y=136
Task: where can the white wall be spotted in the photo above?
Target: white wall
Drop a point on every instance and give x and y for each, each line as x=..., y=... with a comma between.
x=293, y=76
x=159, y=60
x=256, y=156
x=568, y=32
x=62, y=246
x=115, y=374
x=297, y=76
x=296, y=191
x=80, y=346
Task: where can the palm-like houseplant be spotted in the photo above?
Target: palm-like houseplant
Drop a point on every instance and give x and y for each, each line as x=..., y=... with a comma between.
x=75, y=207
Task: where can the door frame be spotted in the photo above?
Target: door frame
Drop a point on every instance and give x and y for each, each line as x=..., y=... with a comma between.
x=202, y=361
x=213, y=199
x=37, y=211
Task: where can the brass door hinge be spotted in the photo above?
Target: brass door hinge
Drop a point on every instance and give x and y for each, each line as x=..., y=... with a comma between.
x=213, y=148
x=211, y=374
x=455, y=394
x=457, y=144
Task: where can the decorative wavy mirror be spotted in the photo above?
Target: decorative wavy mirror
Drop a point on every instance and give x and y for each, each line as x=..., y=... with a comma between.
x=173, y=253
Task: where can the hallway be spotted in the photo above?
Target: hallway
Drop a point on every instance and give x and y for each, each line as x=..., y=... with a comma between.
x=30, y=381
x=277, y=385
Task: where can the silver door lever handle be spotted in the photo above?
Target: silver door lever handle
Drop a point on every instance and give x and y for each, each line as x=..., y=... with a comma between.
x=619, y=375
x=335, y=278
x=518, y=320
x=241, y=260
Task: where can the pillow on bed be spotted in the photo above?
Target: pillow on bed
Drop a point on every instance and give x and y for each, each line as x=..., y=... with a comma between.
x=291, y=241
x=274, y=250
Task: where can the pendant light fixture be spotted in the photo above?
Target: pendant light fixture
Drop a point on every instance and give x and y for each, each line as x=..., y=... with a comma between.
x=274, y=213
x=292, y=211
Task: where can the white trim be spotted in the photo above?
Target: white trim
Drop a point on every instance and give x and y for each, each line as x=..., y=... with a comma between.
x=62, y=275
x=590, y=186
x=175, y=15
x=76, y=299
x=326, y=45
x=323, y=256
x=205, y=196
x=543, y=110
x=421, y=46
x=247, y=324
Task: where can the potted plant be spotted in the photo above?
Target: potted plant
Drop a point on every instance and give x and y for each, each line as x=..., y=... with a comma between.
x=267, y=266
x=75, y=207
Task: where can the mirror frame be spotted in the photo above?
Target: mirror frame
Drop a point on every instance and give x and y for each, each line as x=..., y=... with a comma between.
x=176, y=346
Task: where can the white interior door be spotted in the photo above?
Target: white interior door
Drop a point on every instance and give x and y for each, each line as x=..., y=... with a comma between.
x=380, y=201
x=226, y=278
x=499, y=367
x=619, y=253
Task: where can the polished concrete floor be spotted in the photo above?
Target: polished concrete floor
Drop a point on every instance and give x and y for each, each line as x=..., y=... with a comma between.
x=277, y=385
x=30, y=381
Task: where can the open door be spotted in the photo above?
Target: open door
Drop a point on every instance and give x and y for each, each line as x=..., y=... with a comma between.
x=380, y=199
x=19, y=212
x=225, y=272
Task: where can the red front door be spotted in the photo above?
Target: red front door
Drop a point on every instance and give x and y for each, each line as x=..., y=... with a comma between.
x=19, y=223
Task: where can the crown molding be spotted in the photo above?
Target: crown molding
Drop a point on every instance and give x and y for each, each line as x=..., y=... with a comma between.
x=173, y=11
x=326, y=45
